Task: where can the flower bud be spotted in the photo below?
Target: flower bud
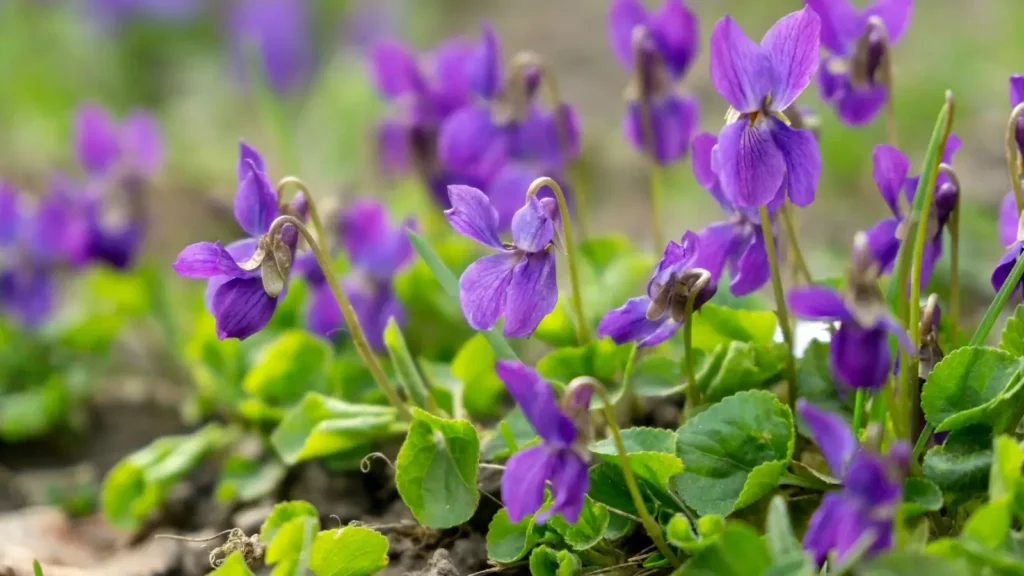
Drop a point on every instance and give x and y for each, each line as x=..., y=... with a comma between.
x=672, y=297
x=870, y=57
x=276, y=265
x=863, y=296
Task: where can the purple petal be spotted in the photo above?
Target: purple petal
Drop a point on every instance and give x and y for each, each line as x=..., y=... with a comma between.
x=242, y=308
x=28, y=294
x=890, y=171
x=883, y=243
x=823, y=528
x=1007, y=219
x=450, y=62
x=374, y=246
x=751, y=271
x=677, y=35
x=394, y=68
x=740, y=69
x=207, y=259
x=799, y=149
x=507, y=190
x=472, y=215
x=832, y=434
x=703, y=147
x=471, y=143
x=895, y=14
x=323, y=316
x=247, y=154
x=537, y=399
x=894, y=328
x=860, y=357
x=482, y=289
x=522, y=483
x=255, y=202
x=143, y=142
x=96, y=139
x=858, y=106
x=374, y=305
x=792, y=45
x=569, y=485
x=717, y=244
x=673, y=121
x=1006, y=264
x=841, y=24
x=485, y=65
x=752, y=167
x=393, y=147
x=623, y=17
x=676, y=258
x=532, y=294
x=10, y=216
x=551, y=138
x=817, y=303
x=629, y=323
x=531, y=227
x=1016, y=89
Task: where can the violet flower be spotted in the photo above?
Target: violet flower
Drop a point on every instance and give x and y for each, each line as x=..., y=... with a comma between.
x=665, y=45
x=560, y=458
x=424, y=92
x=1013, y=252
x=1008, y=219
x=280, y=33
x=650, y=320
x=519, y=281
x=860, y=356
x=759, y=153
x=890, y=172
x=852, y=78
x=1016, y=99
x=247, y=278
x=377, y=251
x=505, y=138
x=863, y=512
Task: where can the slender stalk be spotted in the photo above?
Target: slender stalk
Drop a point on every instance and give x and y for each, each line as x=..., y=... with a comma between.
x=347, y=311
x=1013, y=159
x=582, y=328
x=314, y=214
x=510, y=439
x=626, y=388
x=780, y=304
x=794, y=243
x=649, y=523
x=954, y=254
x=657, y=205
x=692, y=391
x=858, y=411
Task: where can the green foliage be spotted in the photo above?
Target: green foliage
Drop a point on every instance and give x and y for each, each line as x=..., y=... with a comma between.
x=968, y=385
x=233, y=565
x=588, y=529
x=545, y=561
x=295, y=363
x=602, y=360
x=350, y=551
x=1012, y=339
x=739, y=551
x=651, y=455
x=508, y=542
x=406, y=372
x=319, y=426
x=717, y=325
x=962, y=463
x=473, y=365
x=920, y=495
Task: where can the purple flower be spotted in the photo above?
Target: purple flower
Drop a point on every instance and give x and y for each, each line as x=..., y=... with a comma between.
x=736, y=243
x=851, y=79
x=1017, y=98
x=650, y=320
x=759, y=153
x=1009, y=259
x=519, y=281
x=862, y=513
x=247, y=277
x=560, y=458
x=119, y=11
x=103, y=145
x=897, y=189
x=664, y=44
x=1008, y=219
x=376, y=251
x=279, y=31
x=860, y=356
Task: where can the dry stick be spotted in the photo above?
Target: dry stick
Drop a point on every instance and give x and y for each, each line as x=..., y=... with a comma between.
x=349, y=313
x=954, y=253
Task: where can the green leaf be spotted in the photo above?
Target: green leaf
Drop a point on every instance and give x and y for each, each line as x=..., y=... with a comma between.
x=658, y=376
x=217, y=366
x=708, y=532
x=608, y=486
x=651, y=454
x=963, y=462
x=603, y=360
x=734, y=452
x=740, y=552
x=291, y=548
x=588, y=530
x=1012, y=339
x=547, y=562
x=319, y=426
x=1007, y=459
x=283, y=513
x=920, y=496
x=293, y=364
x=406, y=372
x=640, y=439
x=989, y=525
x=906, y=563
x=814, y=383
x=350, y=551
x=233, y=565
x=246, y=480
x=618, y=527
x=474, y=366
x=508, y=542
x=716, y=325
x=37, y=570
x=967, y=384
x=778, y=530
x=743, y=366
x=30, y=413
x=451, y=285
x=437, y=470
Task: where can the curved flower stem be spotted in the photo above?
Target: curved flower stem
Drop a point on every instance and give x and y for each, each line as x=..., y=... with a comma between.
x=692, y=391
x=582, y=328
x=314, y=214
x=954, y=254
x=649, y=523
x=626, y=388
x=858, y=411
x=794, y=243
x=349, y=313
x=780, y=304
x=1013, y=160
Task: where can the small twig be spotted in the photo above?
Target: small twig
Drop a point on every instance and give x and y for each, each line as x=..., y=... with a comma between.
x=365, y=465
x=187, y=539
x=491, y=466
x=496, y=569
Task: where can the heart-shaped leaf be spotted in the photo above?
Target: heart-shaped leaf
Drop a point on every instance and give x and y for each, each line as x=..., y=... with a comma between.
x=320, y=426
x=968, y=384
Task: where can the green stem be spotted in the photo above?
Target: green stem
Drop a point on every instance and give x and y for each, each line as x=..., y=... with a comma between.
x=582, y=327
x=347, y=311
x=314, y=214
x=510, y=439
x=954, y=253
x=794, y=243
x=780, y=304
x=625, y=389
x=789, y=479
x=692, y=391
x=858, y=411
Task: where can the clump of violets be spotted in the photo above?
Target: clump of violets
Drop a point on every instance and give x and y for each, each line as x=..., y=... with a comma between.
x=860, y=356
x=505, y=138
x=758, y=152
x=658, y=48
x=247, y=277
x=519, y=282
x=424, y=92
x=852, y=78
x=1008, y=209
x=376, y=251
x=278, y=34
x=562, y=456
x=651, y=319
x=860, y=516
x=891, y=169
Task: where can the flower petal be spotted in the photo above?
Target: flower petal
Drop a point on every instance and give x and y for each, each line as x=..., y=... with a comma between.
x=740, y=69
x=96, y=139
x=673, y=121
x=143, y=142
x=717, y=244
x=623, y=17
x=832, y=434
x=531, y=228
x=883, y=243
x=255, y=202
x=323, y=317
x=569, y=485
x=10, y=214
x=537, y=400
x=470, y=142
x=522, y=483
x=677, y=35
x=1007, y=219
x=485, y=65
x=482, y=289
x=473, y=215
x=793, y=45
x=752, y=168
x=860, y=356
x=374, y=246
x=825, y=523
x=752, y=270
x=507, y=191
x=628, y=323
x=393, y=147
x=247, y=154
x=841, y=24
x=532, y=294
x=1006, y=264
x=28, y=294
x=859, y=106
x=207, y=259
x=890, y=172
x=394, y=68
x=450, y=73
x=242, y=308
x=895, y=14
x=703, y=147
x=1016, y=89
x=800, y=151
x=817, y=303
